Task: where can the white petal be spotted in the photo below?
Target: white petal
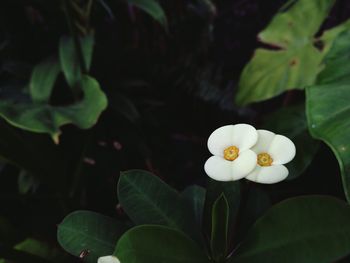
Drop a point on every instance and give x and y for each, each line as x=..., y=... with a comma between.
x=282, y=150
x=264, y=141
x=108, y=259
x=243, y=165
x=243, y=136
x=220, y=169
x=220, y=139
x=268, y=174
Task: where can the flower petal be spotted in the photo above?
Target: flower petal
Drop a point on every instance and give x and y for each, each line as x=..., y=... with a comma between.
x=265, y=139
x=282, y=150
x=220, y=139
x=220, y=169
x=243, y=136
x=108, y=259
x=243, y=165
x=268, y=174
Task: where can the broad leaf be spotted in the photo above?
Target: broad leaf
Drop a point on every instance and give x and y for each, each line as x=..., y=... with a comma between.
x=89, y=233
x=328, y=107
x=296, y=60
x=148, y=200
x=152, y=243
x=291, y=122
x=195, y=196
x=313, y=229
x=219, y=229
x=45, y=118
x=71, y=65
x=153, y=8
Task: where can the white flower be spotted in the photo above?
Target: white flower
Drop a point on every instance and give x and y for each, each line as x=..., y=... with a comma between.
x=272, y=151
x=232, y=158
x=108, y=259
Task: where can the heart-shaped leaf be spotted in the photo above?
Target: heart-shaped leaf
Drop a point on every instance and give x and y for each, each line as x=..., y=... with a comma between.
x=296, y=60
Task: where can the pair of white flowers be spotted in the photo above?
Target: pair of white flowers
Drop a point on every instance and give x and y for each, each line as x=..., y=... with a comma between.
x=240, y=151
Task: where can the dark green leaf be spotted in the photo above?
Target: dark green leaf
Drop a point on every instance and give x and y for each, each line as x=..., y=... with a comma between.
x=313, y=229
x=328, y=107
x=43, y=80
x=219, y=229
x=158, y=244
x=297, y=61
x=195, y=196
x=291, y=122
x=90, y=232
x=148, y=200
x=69, y=58
x=153, y=8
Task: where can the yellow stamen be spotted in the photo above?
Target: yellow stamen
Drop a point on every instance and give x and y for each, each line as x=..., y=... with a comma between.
x=231, y=153
x=264, y=159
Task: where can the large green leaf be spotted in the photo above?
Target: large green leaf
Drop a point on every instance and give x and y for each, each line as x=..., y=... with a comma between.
x=148, y=200
x=291, y=122
x=328, y=107
x=153, y=8
x=45, y=118
x=296, y=61
x=90, y=233
x=313, y=229
x=158, y=244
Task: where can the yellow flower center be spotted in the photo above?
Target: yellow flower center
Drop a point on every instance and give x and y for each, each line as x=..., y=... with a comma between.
x=231, y=153
x=264, y=159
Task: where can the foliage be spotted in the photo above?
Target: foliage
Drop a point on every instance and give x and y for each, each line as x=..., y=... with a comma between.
x=105, y=109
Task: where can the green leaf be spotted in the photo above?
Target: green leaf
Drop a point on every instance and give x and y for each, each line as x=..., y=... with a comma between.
x=69, y=59
x=43, y=80
x=153, y=8
x=195, y=196
x=151, y=243
x=219, y=229
x=43, y=250
x=45, y=118
x=291, y=122
x=148, y=200
x=328, y=107
x=311, y=229
x=90, y=232
x=232, y=192
x=297, y=61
